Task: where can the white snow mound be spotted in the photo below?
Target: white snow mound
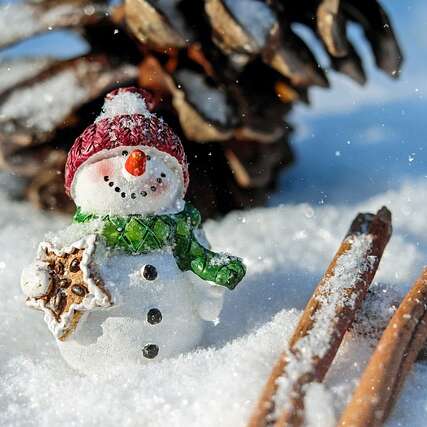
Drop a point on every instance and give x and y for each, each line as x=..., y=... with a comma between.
x=122, y=104
x=286, y=249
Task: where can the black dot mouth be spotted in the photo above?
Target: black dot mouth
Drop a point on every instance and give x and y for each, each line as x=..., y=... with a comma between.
x=133, y=196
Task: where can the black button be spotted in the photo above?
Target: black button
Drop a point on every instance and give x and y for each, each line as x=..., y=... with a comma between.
x=154, y=316
x=75, y=265
x=150, y=351
x=149, y=272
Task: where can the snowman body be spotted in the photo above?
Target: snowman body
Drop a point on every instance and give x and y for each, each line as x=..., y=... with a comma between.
x=137, y=281
x=154, y=314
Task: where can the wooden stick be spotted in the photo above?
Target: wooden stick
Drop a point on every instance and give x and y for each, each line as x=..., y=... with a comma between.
x=326, y=318
x=402, y=340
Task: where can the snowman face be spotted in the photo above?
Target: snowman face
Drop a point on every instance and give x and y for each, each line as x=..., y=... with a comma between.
x=129, y=180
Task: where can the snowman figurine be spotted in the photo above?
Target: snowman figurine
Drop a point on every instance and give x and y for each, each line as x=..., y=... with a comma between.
x=132, y=280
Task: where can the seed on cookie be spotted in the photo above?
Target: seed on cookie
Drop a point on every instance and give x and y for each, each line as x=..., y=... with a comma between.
x=75, y=265
x=78, y=290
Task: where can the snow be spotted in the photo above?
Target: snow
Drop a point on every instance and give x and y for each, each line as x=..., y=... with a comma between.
x=20, y=21
x=286, y=249
x=319, y=414
x=124, y=103
x=13, y=72
x=255, y=16
x=23, y=21
x=211, y=101
x=34, y=105
x=380, y=304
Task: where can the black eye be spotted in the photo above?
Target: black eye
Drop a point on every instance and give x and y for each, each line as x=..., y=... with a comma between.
x=125, y=153
x=148, y=157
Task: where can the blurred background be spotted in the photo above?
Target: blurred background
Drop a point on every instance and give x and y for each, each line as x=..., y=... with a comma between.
x=322, y=121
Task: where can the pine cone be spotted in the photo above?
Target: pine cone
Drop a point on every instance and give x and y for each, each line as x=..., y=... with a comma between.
x=225, y=73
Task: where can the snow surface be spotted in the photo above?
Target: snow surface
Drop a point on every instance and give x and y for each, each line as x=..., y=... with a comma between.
x=286, y=249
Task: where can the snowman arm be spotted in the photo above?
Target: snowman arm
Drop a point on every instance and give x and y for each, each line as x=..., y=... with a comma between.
x=221, y=269
x=191, y=255
x=207, y=300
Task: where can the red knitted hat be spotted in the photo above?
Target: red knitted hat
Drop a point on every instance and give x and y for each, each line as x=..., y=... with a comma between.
x=125, y=121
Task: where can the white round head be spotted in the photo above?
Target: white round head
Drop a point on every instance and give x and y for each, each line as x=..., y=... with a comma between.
x=129, y=180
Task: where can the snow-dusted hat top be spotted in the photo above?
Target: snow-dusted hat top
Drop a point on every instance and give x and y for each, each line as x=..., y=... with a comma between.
x=125, y=120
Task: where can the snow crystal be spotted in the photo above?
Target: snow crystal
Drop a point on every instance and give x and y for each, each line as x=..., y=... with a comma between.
x=16, y=71
x=255, y=16
x=221, y=259
x=43, y=105
x=124, y=103
x=210, y=101
x=219, y=383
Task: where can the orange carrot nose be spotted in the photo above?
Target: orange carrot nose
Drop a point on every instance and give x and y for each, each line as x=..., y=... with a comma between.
x=135, y=163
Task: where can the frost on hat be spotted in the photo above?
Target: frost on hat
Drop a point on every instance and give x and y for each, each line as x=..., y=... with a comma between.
x=125, y=120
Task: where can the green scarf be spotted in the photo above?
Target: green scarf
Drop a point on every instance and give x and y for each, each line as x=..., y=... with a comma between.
x=137, y=234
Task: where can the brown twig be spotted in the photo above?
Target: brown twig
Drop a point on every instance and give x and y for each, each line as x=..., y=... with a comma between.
x=326, y=318
x=402, y=340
